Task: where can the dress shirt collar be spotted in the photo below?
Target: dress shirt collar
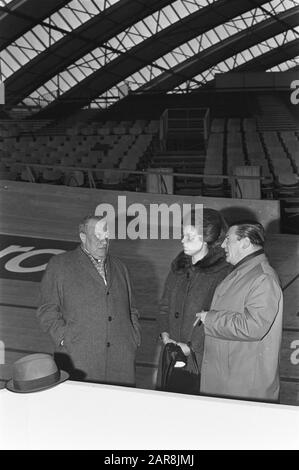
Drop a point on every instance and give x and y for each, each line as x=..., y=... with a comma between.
x=97, y=260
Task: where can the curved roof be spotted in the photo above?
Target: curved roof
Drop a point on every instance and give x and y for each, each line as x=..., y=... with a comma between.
x=225, y=49
x=96, y=31
x=272, y=58
x=19, y=17
x=65, y=54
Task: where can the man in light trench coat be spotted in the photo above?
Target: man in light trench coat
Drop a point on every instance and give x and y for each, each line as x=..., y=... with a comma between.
x=87, y=307
x=243, y=327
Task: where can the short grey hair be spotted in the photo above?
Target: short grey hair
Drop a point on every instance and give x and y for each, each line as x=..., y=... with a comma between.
x=84, y=224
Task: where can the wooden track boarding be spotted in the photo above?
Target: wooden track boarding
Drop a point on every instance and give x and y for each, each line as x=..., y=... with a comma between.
x=50, y=214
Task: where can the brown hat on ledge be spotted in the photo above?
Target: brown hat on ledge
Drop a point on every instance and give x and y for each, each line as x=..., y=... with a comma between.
x=34, y=373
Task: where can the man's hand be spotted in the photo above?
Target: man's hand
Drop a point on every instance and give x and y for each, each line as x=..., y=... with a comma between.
x=201, y=316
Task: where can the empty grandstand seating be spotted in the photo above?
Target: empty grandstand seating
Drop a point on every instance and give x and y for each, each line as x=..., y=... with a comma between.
x=256, y=129
x=217, y=125
x=279, y=160
x=234, y=151
x=255, y=152
x=16, y=127
x=214, y=158
x=121, y=145
x=235, y=142
x=290, y=142
x=274, y=115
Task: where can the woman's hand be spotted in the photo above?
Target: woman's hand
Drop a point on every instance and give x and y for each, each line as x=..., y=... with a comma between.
x=166, y=338
x=185, y=348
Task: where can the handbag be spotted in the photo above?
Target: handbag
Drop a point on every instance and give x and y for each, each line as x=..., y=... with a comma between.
x=180, y=373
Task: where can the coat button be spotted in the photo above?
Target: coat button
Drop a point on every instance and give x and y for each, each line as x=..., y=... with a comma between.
x=108, y=345
x=176, y=314
x=109, y=318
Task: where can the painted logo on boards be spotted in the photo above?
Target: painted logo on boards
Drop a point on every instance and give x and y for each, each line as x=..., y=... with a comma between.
x=26, y=258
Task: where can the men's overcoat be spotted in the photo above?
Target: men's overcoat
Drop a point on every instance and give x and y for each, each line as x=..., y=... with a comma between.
x=98, y=323
x=243, y=334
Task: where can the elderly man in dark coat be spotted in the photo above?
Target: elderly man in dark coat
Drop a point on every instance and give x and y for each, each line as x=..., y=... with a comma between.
x=87, y=306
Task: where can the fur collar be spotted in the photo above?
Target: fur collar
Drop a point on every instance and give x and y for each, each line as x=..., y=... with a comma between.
x=212, y=262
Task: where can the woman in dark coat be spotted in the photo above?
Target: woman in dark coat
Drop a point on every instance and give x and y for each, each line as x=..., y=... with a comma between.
x=190, y=285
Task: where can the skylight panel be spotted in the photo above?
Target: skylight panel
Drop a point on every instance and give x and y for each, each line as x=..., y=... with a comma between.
x=171, y=12
x=58, y=20
x=20, y=56
x=82, y=10
x=284, y=66
x=146, y=73
x=68, y=79
x=187, y=49
x=151, y=22
x=74, y=19
x=192, y=6
x=163, y=21
x=206, y=40
x=242, y=57
x=4, y=3
x=35, y=42
x=169, y=60
x=65, y=19
x=222, y=33
x=8, y=63
x=154, y=23
x=101, y=4
x=77, y=12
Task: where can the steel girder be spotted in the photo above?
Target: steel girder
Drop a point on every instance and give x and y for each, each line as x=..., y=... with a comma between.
x=146, y=52
x=70, y=48
x=270, y=59
x=223, y=50
x=19, y=17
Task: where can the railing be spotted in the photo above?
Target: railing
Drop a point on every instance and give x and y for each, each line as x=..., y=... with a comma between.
x=233, y=179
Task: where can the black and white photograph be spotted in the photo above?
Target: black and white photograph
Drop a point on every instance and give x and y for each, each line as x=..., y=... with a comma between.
x=149, y=222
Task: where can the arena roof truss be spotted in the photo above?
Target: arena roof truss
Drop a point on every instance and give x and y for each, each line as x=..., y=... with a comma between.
x=65, y=55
